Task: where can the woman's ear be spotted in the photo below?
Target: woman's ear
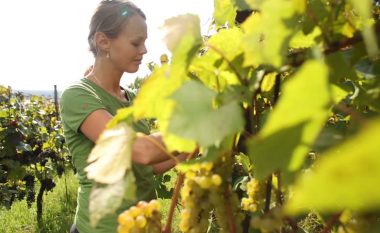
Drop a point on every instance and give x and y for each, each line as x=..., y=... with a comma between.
x=102, y=42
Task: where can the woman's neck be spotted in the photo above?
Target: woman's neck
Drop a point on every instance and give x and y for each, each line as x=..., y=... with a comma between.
x=106, y=75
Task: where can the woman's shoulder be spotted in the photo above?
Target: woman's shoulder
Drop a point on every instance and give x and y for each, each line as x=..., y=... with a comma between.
x=79, y=87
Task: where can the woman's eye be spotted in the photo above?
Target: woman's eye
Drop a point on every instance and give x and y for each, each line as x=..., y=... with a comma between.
x=135, y=44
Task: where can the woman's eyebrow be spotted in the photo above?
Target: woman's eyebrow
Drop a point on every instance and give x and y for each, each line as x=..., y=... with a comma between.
x=140, y=38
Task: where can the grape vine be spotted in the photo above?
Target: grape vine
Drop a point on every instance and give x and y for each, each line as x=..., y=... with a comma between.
x=31, y=148
x=282, y=100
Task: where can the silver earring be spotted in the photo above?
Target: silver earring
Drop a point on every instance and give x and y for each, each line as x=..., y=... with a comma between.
x=108, y=56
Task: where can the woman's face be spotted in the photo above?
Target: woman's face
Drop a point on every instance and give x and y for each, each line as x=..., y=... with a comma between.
x=127, y=50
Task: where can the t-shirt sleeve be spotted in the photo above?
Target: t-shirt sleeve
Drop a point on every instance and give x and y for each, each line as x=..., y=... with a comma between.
x=76, y=104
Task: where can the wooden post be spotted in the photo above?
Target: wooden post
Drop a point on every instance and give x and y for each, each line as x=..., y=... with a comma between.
x=56, y=102
x=9, y=92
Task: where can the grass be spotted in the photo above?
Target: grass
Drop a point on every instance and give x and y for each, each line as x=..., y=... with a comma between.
x=58, y=211
x=165, y=204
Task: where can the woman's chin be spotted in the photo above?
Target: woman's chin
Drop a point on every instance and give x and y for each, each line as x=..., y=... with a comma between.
x=132, y=70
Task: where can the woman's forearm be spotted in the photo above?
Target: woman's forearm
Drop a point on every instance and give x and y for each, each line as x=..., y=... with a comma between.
x=165, y=166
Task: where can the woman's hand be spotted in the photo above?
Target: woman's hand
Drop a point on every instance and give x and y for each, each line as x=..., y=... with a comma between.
x=165, y=166
x=146, y=152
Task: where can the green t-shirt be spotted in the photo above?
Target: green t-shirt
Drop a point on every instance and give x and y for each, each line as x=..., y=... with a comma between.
x=76, y=103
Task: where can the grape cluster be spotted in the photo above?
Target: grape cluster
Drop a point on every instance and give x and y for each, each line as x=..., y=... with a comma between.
x=203, y=195
x=250, y=203
x=144, y=217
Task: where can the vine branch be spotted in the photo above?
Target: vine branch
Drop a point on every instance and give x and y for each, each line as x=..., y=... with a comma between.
x=332, y=221
x=333, y=47
x=268, y=193
x=173, y=204
x=227, y=205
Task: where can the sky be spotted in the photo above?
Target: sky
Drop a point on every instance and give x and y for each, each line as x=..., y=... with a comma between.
x=44, y=42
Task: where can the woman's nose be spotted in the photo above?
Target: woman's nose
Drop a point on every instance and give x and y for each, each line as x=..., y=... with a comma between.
x=143, y=50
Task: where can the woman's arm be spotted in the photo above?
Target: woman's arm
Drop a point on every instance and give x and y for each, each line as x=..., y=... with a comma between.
x=143, y=150
x=165, y=166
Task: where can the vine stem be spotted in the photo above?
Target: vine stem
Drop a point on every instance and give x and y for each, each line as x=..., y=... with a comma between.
x=279, y=194
x=268, y=193
x=337, y=46
x=173, y=204
x=332, y=221
x=227, y=205
x=159, y=146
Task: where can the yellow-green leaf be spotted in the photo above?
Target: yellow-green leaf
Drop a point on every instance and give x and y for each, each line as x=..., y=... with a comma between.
x=268, y=33
x=268, y=82
x=111, y=156
x=194, y=113
x=107, y=198
x=153, y=101
x=364, y=9
x=295, y=122
x=300, y=40
x=346, y=176
x=224, y=12
x=212, y=68
x=183, y=38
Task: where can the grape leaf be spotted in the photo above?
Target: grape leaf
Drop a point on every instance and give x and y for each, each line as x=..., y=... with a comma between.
x=241, y=5
x=225, y=12
x=180, y=27
x=111, y=156
x=255, y=4
x=300, y=40
x=227, y=41
x=153, y=101
x=294, y=123
x=194, y=104
x=124, y=114
x=211, y=67
x=107, y=198
x=268, y=82
x=364, y=9
x=183, y=38
x=269, y=32
x=345, y=177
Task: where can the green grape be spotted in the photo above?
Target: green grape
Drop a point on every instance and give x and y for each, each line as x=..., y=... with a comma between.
x=202, y=195
x=123, y=228
x=144, y=217
x=126, y=219
x=250, y=203
x=141, y=221
x=204, y=182
x=142, y=204
x=155, y=205
x=135, y=211
x=216, y=179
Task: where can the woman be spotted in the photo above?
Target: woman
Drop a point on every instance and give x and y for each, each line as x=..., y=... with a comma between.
x=117, y=40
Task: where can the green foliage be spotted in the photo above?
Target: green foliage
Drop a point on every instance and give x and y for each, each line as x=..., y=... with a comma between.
x=31, y=147
x=285, y=93
x=345, y=176
x=194, y=104
x=58, y=215
x=111, y=169
x=301, y=124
